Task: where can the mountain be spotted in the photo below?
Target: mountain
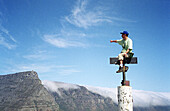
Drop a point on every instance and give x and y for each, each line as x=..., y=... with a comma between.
x=24, y=92
x=72, y=97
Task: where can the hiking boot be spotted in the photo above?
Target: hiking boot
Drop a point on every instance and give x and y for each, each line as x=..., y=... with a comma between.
x=126, y=68
x=120, y=70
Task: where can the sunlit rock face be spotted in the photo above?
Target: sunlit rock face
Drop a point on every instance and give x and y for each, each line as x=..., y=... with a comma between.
x=24, y=92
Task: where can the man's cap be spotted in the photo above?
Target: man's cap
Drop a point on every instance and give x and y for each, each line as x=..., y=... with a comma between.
x=124, y=32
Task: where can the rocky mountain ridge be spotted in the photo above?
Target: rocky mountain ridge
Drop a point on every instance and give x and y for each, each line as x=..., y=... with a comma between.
x=72, y=97
x=24, y=92
x=78, y=98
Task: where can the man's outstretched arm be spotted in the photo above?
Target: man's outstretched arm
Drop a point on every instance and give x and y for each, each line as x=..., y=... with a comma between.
x=113, y=41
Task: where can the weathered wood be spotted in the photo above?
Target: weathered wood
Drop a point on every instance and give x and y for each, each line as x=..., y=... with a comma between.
x=133, y=60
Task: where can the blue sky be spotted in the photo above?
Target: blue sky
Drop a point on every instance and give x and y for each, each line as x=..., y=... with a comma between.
x=68, y=40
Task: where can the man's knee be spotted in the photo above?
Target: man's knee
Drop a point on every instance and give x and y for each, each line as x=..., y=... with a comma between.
x=120, y=56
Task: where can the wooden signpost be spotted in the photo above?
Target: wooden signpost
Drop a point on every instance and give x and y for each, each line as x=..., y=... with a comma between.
x=125, y=100
x=127, y=60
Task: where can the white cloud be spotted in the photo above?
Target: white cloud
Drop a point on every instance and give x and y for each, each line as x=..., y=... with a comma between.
x=6, y=39
x=66, y=72
x=35, y=56
x=38, y=55
x=6, y=44
x=62, y=42
x=72, y=33
x=54, y=86
x=42, y=68
x=81, y=17
x=140, y=98
x=5, y=31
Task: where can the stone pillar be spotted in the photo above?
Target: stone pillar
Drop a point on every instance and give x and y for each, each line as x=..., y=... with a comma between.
x=125, y=100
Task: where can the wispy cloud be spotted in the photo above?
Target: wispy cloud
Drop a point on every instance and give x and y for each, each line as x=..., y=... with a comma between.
x=62, y=42
x=38, y=55
x=66, y=72
x=41, y=68
x=6, y=39
x=81, y=17
x=5, y=31
x=139, y=96
x=36, y=67
x=5, y=43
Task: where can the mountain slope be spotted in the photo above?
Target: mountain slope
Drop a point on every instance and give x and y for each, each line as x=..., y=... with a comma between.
x=24, y=92
x=71, y=97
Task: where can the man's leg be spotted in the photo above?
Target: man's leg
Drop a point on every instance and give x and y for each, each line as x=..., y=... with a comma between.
x=120, y=58
x=121, y=63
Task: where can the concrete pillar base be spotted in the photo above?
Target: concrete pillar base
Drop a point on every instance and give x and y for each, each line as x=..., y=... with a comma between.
x=125, y=100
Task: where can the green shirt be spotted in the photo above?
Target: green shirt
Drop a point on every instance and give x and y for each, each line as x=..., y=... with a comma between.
x=126, y=44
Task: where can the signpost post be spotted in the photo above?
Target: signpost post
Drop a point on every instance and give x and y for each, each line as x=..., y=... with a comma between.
x=125, y=100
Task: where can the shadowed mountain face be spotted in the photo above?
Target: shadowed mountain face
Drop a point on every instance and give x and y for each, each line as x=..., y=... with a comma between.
x=24, y=92
x=71, y=97
x=83, y=100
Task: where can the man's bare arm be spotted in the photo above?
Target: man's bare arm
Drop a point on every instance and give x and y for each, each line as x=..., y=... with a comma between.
x=128, y=50
x=113, y=41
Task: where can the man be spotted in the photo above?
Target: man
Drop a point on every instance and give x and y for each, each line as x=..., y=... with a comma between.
x=126, y=44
